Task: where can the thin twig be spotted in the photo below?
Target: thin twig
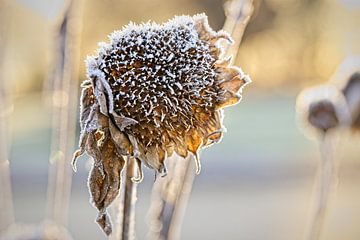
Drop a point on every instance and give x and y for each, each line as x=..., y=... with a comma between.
x=183, y=181
x=128, y=227
x=6, y=203
x=238, y=14
x=325, y=182
x=125, y=227
x=64, y=98
x=171, y=194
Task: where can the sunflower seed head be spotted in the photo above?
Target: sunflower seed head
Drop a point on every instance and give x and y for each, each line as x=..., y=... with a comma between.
x=154, y=90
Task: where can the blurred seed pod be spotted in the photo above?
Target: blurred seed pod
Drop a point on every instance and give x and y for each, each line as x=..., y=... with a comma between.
x=320, y=109
x=347, y=79
x=352, y=95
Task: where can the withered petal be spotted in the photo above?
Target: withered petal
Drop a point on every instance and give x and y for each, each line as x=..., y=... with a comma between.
x=104, y=222
x=151, y=156
x=214, y=138
x=101, y=98
x=122, y=122
x=228, y=73
x=194, y=140
x=181, y=149
x=105, y=176
x=221, y=63
x=234, y=85
x=120, y=139
x=228, y=99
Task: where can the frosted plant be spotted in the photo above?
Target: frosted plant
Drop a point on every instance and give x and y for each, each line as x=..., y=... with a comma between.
x=151, y=91
x=320, y=109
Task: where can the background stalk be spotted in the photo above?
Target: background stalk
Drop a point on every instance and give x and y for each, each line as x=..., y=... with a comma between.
x=171, y=193
x=63, y=93
x=326, y=180
x=125, y=226
x=6, y=204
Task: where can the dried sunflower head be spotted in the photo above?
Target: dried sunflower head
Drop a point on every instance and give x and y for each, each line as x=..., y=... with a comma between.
x=154, y=90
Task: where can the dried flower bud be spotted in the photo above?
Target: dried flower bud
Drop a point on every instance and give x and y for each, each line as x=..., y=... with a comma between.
x=347, y=79
x=152, y=91
x=320, y=109
x=351, y=92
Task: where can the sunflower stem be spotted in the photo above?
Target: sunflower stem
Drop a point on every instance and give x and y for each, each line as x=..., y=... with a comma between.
x=128, y=214
x=238, y=14
x=125, y=226
x=170, y=197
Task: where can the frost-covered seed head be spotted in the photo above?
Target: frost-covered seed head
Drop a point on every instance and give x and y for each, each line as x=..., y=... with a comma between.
x=168, y=82
x=151, y=91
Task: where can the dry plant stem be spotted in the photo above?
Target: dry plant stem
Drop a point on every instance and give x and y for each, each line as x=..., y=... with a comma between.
x=6, y=204
x=64, y=98
x=125, y=226
x=185, y=175
x=128, y=213
x=238, y=14
x=170, y=198
x=174, y=190
x=324, y=185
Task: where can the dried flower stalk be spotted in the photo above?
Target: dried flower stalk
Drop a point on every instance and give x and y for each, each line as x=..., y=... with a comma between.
x=238, y=14
x=64, y=95
x=154, y=90
x=322, y=111
x=171, y=194
x=128, y=216
x=6, y=204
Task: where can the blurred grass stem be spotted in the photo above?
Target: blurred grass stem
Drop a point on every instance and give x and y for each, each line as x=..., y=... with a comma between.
x=64, y=95
x=326, y=180
x=6, y=203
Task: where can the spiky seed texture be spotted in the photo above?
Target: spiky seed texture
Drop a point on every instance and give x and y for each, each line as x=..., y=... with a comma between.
x=151, y=91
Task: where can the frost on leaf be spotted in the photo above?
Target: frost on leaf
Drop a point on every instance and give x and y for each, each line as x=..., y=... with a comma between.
x=154, y=90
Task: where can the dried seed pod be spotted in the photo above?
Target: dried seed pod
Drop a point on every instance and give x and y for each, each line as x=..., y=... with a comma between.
x=351, y=92
x=320, y=109
x=154, y=90
x=347, y=79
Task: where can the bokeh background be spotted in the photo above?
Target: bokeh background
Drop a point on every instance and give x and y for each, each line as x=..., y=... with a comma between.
x=257, y=183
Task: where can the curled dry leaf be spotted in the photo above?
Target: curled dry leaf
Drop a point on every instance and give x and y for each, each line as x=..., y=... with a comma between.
x=151, y=91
